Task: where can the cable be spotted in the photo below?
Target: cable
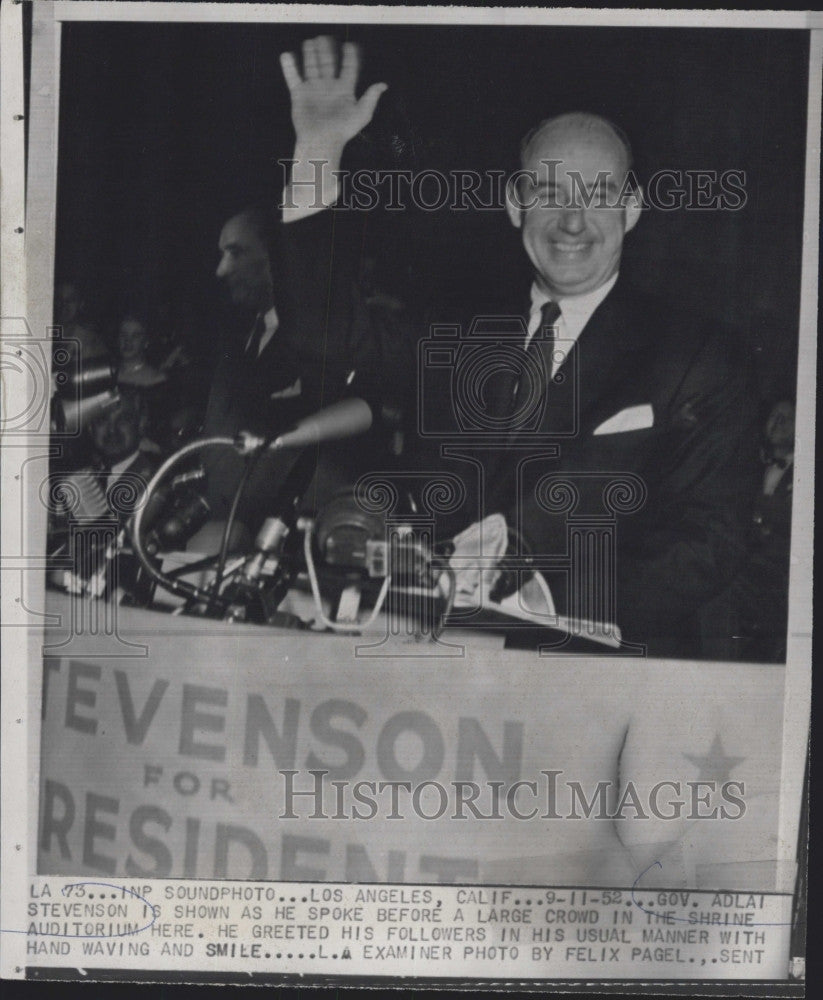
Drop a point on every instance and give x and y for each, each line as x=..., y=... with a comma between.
x=180, y=587
x=250, y=465
x=437, y=631
x=308, y=534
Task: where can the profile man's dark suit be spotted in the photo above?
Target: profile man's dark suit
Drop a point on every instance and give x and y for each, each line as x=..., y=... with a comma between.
x=242, y=384
x=331, y=342
x=686, y=455
x=240, y=398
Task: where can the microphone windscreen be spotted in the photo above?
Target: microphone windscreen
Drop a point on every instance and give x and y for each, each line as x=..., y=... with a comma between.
x=340, y=420
x=73, y=415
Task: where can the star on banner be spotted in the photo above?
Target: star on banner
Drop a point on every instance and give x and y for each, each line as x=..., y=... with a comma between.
x=715, y=765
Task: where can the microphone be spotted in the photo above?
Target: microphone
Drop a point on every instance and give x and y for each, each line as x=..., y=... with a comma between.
x=344, y=419
x=190, y=512
x=83, y=394
x=72, y=415
x=340, y=420
x=181, y=525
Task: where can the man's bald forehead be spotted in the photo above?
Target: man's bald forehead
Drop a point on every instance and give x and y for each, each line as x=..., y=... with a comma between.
x=581, y=123
x=254, y=220
x=239, y=225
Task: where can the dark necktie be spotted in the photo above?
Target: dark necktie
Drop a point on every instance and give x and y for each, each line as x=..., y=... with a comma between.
x=253, y=348
x=545, y=336
x=539, y=351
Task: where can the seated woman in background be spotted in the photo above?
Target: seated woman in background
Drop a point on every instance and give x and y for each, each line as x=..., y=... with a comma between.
x=133, y=341
x=76, y=328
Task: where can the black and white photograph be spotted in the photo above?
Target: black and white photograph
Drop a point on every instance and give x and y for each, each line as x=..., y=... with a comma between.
x=408, y=435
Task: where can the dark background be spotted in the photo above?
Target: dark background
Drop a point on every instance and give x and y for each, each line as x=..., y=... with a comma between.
x=167, y=129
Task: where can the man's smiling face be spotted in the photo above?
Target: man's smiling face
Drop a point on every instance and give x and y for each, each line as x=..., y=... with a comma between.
x=574, y=248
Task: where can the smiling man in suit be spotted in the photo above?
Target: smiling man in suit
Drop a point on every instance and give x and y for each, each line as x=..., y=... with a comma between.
x=640, y=412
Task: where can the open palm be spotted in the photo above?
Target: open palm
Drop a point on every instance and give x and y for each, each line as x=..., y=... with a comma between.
x=323, y=104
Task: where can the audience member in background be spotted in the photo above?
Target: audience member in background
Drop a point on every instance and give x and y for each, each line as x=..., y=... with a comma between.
x=116, y=437
x=94, y=504
x=133, y=340
x=749, y=619
x=774, y=505
x=162, y=382
x=69, y=314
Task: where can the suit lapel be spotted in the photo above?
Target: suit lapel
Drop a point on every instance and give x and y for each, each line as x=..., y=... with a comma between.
x=606, y=361
x=602, y=373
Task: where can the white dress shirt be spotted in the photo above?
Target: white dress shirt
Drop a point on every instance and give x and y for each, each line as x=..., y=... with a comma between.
x=575, y=313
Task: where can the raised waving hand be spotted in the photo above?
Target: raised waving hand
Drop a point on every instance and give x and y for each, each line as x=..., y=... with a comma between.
x=326, y=114
x=324, y=109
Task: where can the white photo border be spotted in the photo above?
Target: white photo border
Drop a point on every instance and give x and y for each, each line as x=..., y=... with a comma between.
x=28, y=239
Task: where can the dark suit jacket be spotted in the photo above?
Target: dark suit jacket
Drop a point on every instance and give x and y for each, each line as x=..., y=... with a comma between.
x=240, y=397
x=675, y=496
x=331, y=337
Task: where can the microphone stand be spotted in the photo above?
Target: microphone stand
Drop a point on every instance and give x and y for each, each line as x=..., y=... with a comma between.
x=250, y=464
x=342, y=419
x=345, y=418
x=248, y=597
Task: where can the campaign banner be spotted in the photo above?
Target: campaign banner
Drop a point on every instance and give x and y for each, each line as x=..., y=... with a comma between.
x=242, y=752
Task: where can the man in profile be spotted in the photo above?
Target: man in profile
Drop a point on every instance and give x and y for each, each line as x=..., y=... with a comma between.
x=644, y=409
x=316, y=336
x=258, y=368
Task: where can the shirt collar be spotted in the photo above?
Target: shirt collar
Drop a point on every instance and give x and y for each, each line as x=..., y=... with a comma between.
x=574, y=308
